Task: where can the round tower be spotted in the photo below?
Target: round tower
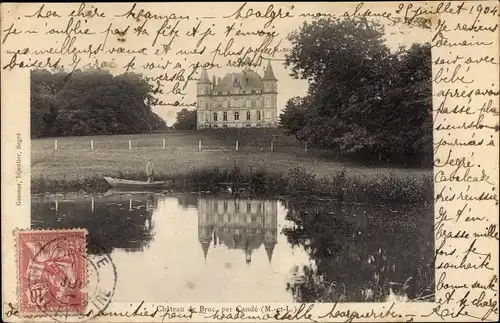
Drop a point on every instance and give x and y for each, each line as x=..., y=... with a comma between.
x=270, y=95
x=203, y=96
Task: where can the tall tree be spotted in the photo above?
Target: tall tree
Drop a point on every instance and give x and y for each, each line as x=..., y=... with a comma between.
x=91, y=103
x=186, y=120
x=363, y=99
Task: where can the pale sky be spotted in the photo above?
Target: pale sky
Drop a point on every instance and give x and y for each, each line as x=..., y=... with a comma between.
x=208, y=15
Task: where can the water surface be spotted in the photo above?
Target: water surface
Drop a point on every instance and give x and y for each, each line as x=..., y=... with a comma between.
x=203, y=248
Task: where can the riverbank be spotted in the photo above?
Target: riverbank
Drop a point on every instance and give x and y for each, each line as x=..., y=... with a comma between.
x=297, y=181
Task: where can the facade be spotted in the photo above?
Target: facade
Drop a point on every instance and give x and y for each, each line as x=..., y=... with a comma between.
x=238, y=224
x=239, y=100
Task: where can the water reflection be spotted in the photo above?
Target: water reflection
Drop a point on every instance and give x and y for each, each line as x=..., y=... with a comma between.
x=362, y=253
x=244, y=225
x=115, y=221
x=205, y=248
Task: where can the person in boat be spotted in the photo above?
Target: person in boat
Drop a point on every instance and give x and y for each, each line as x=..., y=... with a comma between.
x=150, y=168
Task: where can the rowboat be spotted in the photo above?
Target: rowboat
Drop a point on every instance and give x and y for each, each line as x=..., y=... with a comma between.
x=128, y=183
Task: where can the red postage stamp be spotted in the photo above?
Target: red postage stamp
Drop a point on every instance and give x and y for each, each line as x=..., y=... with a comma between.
x=52, y=271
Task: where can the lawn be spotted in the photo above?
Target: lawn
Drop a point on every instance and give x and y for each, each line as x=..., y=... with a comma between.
x=74, y=159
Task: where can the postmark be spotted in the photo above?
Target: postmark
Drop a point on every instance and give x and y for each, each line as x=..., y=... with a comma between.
x=62, y=277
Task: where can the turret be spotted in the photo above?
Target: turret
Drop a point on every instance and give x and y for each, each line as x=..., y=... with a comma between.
x=270, y=230
x=205, y=238
x=270, y=94
x=269, y=246
x=269, y=80
x=204, y=90
x=204, y=84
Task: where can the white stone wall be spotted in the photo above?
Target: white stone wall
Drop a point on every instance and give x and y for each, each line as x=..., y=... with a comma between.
x=229, y=104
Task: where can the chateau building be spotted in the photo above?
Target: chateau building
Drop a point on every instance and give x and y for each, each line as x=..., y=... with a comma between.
x=246, y=225
x=242, y=99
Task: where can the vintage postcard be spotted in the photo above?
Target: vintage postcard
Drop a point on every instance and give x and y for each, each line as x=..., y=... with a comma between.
x=250, y=161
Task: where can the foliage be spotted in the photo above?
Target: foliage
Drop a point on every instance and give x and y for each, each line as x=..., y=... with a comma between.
x=90, y=103
x=293, y=117
x=363, y=100
x=186, y=120
x=296, y=182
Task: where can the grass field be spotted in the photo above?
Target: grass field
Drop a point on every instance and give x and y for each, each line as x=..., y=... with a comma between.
x=74, y=158
x=74, y=161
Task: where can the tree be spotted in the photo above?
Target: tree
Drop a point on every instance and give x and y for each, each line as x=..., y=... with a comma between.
x=91, y=103
x=363, y=100
x=186, y=120
x=293, y=117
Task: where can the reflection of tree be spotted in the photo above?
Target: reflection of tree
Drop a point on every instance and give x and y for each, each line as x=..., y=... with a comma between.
x=112, y=223
x=360, y=253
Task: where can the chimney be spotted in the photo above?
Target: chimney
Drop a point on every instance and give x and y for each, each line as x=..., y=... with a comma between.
x=218, y=80
x=213, y=81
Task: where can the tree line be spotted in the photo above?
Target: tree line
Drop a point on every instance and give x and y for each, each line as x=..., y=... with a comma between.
x=93, y=102
x=364, y=100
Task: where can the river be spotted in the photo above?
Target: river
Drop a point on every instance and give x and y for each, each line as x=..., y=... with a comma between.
x=205, y=248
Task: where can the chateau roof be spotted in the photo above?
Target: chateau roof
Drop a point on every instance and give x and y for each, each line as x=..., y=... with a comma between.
x=246, y=80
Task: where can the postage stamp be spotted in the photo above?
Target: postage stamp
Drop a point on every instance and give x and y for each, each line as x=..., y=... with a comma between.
x=60, y=275
x=52, y=271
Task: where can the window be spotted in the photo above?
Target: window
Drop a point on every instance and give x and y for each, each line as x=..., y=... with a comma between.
x=258, y=102
x=259, y=207
x=253, y=91
x=216, y=206
x=236, y=116
x=202, y=104
x=267, y=102
x=224, y=116
x=225, y=206
x=258, y=115
x=267, y=87
x=248, y=103
x=206, y=117
x=224, y=103
x=253, y=103
x=248, y=125
x=215, y=116
x=213, y=104
x=258, y=124
x=224, y=126
x=268, y=114
x=207, y=90
x=237, y=206
x=201, y=116
x=248, y=115
x=249, y=207
x=215, y=126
